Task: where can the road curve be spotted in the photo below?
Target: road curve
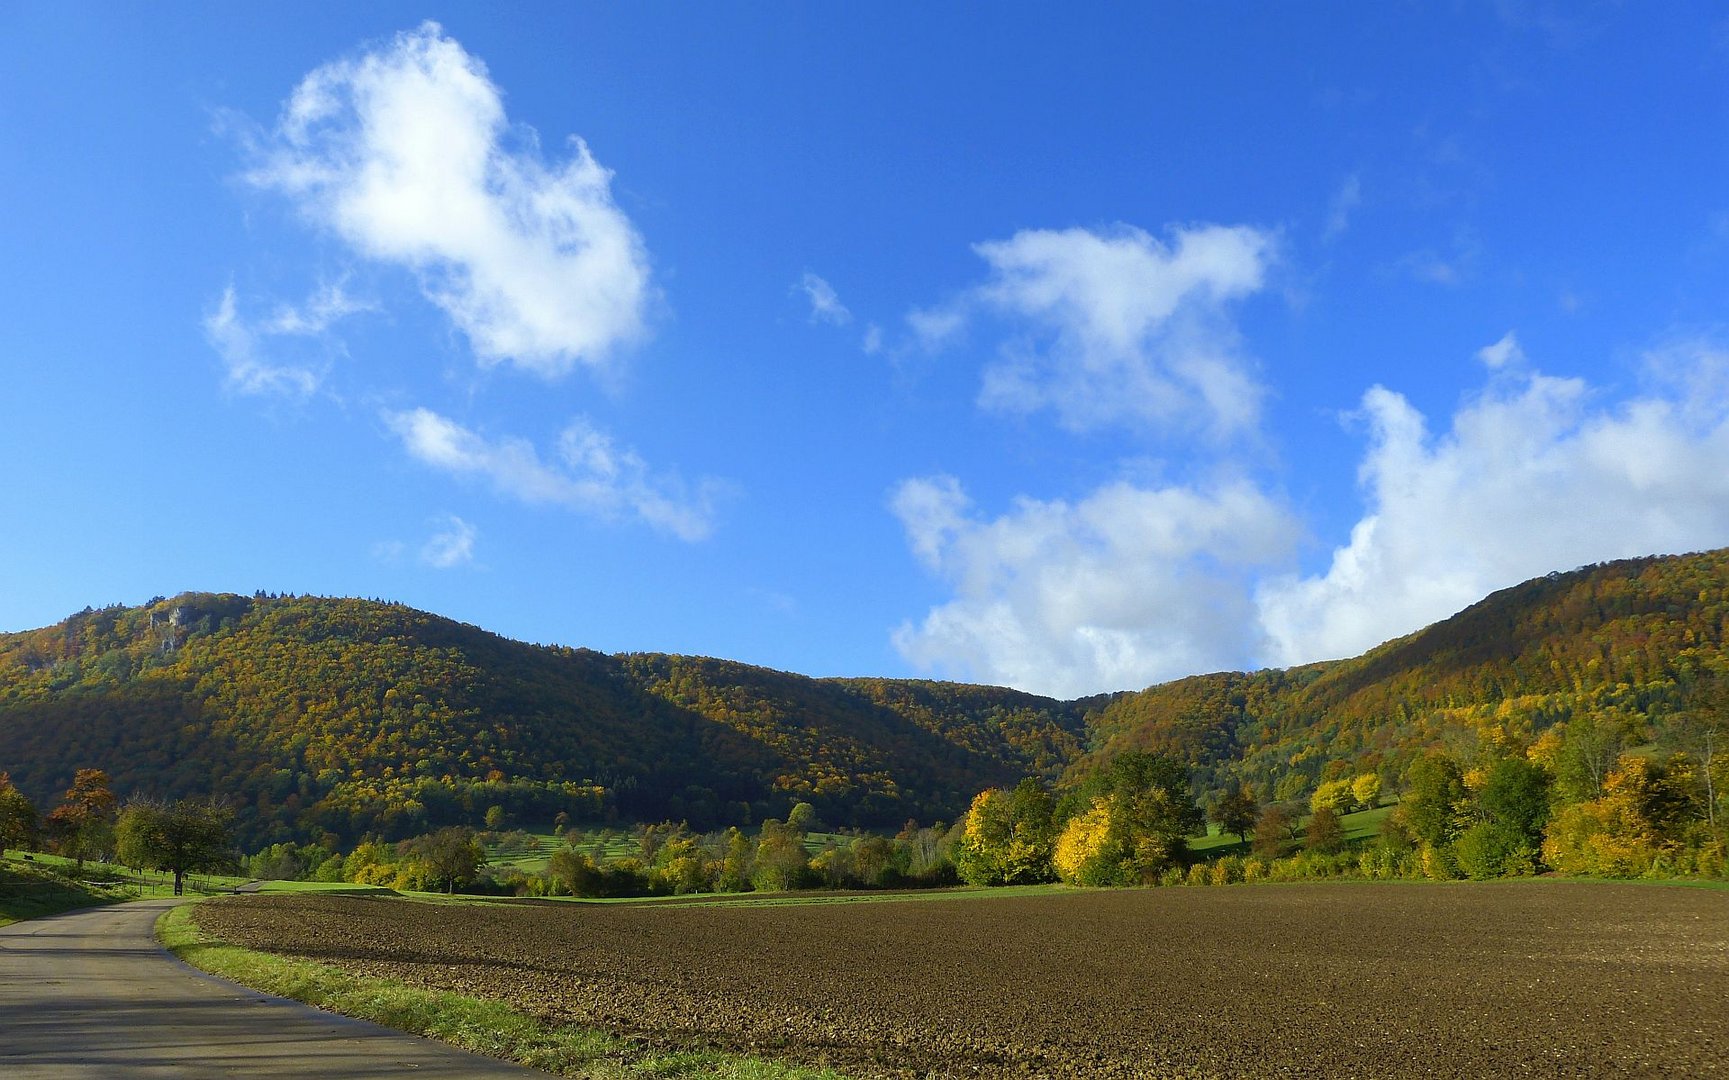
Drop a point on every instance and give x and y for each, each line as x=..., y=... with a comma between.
x=91, y=994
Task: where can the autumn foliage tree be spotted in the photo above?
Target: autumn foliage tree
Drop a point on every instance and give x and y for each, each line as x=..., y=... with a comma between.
x=83, y=823
x=1008, y=837
x=17, y=816
x=1133, y=822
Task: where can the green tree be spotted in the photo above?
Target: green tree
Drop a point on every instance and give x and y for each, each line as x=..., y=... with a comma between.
x=1435, y=804
x=1591, y=744
x=1008, y=837
x=17, y=816
x=802, y=817
x=454, y=854
x=1148, y=812
x=575, y=873
x=1237, y=813
x=179, y=837
x=780, y=862
x=1515, y=796
x=735, y=864
x=1492, y=849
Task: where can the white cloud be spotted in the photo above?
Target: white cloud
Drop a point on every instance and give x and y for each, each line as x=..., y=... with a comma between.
x=451, y=546
x=406, y=154
x=1136, y=584
x=825, y=305
x=1117, y=328
x=592, y=474
x=873, y=340
x=1531, y=477
x=1502, y=353
x=1124, y=588
x=247, y=348
x=936, y=328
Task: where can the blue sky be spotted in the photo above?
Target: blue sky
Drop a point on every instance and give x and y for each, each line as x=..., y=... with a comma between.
x=1073, y=349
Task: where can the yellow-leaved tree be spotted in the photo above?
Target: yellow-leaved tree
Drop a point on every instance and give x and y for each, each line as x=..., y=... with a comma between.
x=1081, y=845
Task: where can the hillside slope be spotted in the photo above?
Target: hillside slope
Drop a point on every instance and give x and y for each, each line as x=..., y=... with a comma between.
x=1629, y=640
x=351, y=716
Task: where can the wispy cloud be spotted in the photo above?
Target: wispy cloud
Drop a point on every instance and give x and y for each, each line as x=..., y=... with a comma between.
x=1344, y=202
x=249, y=348
x=825, y=305
x=591, y=473
x=406, y=154
x=451, y=546
x=1116, y=328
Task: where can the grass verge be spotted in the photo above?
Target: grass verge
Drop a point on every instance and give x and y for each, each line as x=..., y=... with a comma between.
x=28, y=893
x=478, y=1024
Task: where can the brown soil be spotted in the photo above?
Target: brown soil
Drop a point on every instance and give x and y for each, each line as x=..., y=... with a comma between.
x=1518, y=979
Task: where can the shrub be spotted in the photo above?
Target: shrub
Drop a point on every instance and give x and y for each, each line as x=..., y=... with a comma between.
x=1437, y=863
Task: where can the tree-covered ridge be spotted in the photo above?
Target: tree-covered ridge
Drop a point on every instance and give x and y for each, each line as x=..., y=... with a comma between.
x=1025, y=733
x=351, y=716
x=1628, y=640
x=873, y=748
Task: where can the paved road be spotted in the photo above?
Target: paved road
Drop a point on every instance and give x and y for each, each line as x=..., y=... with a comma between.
x=91, y=994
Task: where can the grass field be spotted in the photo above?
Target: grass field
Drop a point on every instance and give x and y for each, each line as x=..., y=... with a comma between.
x=1360, y=827
x=33, y=884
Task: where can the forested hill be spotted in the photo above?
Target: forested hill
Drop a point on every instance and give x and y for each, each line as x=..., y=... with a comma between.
x=1631, y=643
x=353, y=716
x=350, y=716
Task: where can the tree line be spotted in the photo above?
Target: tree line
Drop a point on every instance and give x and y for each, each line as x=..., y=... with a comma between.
x=89, y=824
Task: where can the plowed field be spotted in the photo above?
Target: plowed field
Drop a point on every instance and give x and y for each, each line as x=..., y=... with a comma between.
x=1519, y=979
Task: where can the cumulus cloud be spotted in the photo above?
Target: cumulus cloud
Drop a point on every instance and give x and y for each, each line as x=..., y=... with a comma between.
x=591, y=472
x=249, y=348
x=406, y=154
x=1116, y=328
x=1131, y=585
x=451, y=546
x=1533, y=475
x=1126, y=587
x=825, y=305
x=1502, y=353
